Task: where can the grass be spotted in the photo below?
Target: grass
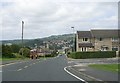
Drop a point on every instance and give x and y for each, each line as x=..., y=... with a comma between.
x=107, y=67
x=7, y=59
x=17, y=57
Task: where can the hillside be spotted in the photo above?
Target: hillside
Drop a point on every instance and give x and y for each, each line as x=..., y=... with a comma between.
x=39, y=41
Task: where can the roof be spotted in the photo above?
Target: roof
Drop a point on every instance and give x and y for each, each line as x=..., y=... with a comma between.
x=86, y=45
x=105, y=33
x=82, y=34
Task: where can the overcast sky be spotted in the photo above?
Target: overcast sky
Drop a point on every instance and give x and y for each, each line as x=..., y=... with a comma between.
x=53, y=17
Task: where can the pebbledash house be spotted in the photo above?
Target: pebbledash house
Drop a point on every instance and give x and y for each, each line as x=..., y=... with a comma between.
x=98, y=40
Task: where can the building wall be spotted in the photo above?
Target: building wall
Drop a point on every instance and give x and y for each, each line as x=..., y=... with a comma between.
x=79, y=49
x=116, y=44
x=81, y=40
x=97, y=44
x=105, y=41
x=87, y=49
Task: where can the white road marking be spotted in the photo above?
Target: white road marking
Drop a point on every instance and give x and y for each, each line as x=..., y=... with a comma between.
x=83, y=65
x=7, y=64
x=20, y=62
x=25, y=66
x=82, y=70
x=19, y=69
x=74, y=75
x=1, y=65
x=0, y=71
x=33, y=63
x=70, y=61
x=11, y=63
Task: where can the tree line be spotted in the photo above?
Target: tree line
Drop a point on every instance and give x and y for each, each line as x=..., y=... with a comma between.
x=13, y=51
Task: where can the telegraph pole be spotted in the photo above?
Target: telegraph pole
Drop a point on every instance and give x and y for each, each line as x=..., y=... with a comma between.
x=22, y=36
x=73, y=38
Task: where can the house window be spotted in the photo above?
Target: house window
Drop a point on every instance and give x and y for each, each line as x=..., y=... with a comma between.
x=115, y=48
x=85, y=49
x=100, y=39
x=114, y=39
x=82, y=49
x=85, y=39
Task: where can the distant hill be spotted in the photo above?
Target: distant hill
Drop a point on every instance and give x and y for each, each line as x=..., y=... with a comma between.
x=59, y=37
x=13, y=41
x=39, y=41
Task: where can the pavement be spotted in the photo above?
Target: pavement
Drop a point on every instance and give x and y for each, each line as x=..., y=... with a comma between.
x=80, y=68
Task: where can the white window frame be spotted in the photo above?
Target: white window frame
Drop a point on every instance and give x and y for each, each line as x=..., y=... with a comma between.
x=84, y=39
x=82, y=49
x=115, y=47
x=114, y=39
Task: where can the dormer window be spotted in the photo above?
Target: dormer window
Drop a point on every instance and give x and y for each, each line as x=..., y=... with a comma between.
x=85, y=39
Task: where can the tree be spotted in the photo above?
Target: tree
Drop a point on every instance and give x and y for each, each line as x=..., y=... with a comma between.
x=7, y=51
x=26, y=52
x=0, y=51
x=75, y=43
x=15, y=48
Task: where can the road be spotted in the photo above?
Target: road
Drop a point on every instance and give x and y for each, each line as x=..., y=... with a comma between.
x=51, y=69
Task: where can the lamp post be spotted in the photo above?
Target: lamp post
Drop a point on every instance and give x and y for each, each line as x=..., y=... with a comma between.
x=22, y=36
x=73, y=39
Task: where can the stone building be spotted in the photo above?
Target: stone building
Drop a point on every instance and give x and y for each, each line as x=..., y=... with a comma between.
x=98, y=40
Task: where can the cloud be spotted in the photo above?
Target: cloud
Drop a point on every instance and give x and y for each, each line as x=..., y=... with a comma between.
x=45, y=17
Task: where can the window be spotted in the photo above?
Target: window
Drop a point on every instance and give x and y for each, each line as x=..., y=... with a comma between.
x=85, y=39
x=100, y=39
x=114, y=39
x=82, y=49
x=85, y=49
x=115, y=48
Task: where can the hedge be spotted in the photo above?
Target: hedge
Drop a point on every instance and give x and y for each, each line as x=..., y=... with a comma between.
x=97, y=54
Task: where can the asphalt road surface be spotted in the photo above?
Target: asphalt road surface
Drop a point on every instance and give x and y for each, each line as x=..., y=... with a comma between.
x=51, y=69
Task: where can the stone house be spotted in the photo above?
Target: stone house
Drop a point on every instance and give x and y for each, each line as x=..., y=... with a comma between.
x=98, y=40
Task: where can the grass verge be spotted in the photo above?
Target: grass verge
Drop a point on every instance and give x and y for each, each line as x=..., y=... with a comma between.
x=107, y=67
x=7, y=59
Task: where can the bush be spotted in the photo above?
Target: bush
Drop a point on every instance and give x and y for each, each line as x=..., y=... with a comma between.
x=17, y=55
x=100, y=54
x=48, y=55
x=26, y=52
x=7, y=52
x=9, y=56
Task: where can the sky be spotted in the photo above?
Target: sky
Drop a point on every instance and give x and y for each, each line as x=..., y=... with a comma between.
x=43, y=18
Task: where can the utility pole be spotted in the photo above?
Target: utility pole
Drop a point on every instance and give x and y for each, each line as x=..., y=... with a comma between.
x=73, y=38
x=22, y=36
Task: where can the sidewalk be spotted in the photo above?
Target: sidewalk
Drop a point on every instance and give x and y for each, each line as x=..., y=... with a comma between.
x=81, y=69
x=97, y=73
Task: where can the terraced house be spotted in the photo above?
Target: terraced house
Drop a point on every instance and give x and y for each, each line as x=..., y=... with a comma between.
x=98, y=40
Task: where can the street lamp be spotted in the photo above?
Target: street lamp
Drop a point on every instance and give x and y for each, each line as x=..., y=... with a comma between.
x=22, y=36
x=73, y=38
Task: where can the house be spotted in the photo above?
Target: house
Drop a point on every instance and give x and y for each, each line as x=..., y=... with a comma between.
x=98, y=40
